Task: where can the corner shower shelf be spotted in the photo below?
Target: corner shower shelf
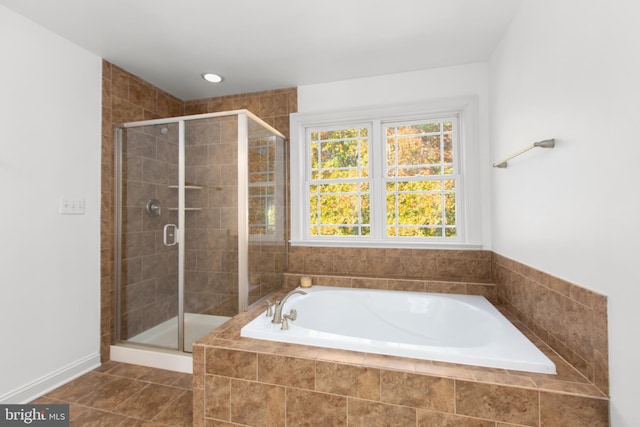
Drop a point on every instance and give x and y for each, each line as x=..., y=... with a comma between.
x=187, y=187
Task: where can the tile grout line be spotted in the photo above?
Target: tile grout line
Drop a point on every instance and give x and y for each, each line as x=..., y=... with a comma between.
x=181, y=391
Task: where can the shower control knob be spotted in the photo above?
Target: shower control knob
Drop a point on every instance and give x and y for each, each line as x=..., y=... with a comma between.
x=153, y=207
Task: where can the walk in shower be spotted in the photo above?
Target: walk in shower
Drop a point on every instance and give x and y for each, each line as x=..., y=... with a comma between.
x=200, y=224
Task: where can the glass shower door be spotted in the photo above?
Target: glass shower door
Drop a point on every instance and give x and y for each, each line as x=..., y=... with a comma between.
x=149, y=243
x=200, y=224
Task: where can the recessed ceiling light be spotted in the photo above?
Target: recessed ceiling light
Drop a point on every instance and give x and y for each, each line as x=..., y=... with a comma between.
x=212, y=77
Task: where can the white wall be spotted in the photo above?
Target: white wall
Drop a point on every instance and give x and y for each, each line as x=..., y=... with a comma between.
x=409, y=88
x=570, y=69
x=50, y=118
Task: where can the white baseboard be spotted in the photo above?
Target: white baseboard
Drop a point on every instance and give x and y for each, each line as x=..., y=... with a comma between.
x=43, y=385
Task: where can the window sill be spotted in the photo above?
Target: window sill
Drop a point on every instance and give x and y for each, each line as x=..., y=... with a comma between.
x=393, y=245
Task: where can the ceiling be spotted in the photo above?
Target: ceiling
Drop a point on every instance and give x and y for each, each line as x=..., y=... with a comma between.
x=260, y=45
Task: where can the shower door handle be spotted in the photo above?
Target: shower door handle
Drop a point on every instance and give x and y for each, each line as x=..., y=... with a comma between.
x=170, y=235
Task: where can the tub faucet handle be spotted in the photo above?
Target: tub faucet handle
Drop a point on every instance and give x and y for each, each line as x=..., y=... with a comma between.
x=293, y=315
x=269, y=309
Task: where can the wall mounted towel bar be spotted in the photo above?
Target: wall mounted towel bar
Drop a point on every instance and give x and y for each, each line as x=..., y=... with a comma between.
x=547, y=143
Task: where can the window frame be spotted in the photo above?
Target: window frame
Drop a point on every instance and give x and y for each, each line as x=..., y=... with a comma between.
x=468, y=220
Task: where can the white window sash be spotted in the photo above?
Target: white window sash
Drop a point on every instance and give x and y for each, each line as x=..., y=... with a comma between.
x=467, y=205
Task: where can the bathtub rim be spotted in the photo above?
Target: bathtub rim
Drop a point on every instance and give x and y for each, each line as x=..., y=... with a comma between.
x=260, y=329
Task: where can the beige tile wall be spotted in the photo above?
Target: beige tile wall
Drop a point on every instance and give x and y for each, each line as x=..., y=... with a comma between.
x=568, y=317
x=272, y=106
x=392, y=263
x=125, y=98
x=267, y=262
x=488, y=290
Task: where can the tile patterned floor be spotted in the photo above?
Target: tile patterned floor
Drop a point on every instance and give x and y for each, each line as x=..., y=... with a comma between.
x=123, y=395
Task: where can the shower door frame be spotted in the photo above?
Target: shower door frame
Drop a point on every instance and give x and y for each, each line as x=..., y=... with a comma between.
x=243, y=216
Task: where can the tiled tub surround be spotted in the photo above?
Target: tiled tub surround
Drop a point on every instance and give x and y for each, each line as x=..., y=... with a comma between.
x=459, y=265
x=488, y=290
x=253, y=382
x=570, y=319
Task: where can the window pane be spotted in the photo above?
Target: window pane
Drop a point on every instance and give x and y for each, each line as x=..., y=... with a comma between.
x=414, y=231
x=420, y=208
x=447, y=150
x=414, y=209
x=364, y=158
x=339, y=209
x=337, y=154
x=419, y=186
x=450, y=208
x=314, y=155
x=314, y=212
x=420, y=149
x=340, y=206
x=419, y=171
x=339, y=231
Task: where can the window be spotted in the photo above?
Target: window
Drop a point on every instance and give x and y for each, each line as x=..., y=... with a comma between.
x=420, y=177
x=381, y=179
x=338, y=162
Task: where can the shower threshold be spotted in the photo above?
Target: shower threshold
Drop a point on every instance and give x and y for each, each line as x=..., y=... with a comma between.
x=164, y=335
x=156, y=347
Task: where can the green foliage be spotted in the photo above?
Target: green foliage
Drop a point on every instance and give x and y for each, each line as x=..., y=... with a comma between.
x=420, y=201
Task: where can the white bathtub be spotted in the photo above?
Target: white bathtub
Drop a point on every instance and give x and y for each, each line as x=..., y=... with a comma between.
x=464, y=329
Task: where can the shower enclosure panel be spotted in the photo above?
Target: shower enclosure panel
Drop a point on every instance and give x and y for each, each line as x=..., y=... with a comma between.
x=267, y=167
x=211, y=231
x=148, y=273
x=200, y=224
